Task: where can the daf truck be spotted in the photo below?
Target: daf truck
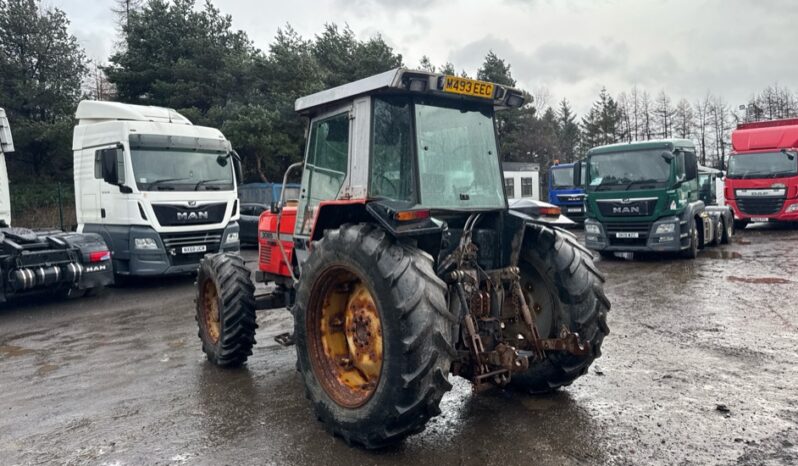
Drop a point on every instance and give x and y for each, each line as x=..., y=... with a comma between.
x=643, y=197
x=762, y=178
x=160, y=190
x=45, y=261
x=564, y=194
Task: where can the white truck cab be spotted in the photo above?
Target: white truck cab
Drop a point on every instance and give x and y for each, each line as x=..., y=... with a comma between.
x=6, y=146
x=160, y=191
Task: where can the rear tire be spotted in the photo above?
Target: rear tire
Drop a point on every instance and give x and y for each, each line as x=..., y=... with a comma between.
x=225, y=307
x=562, y=278
x=415, y=336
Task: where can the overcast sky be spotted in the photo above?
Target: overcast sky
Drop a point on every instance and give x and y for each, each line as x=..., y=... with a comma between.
x=570, y=47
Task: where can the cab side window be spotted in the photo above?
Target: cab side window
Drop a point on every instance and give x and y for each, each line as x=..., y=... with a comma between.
x=325, y=167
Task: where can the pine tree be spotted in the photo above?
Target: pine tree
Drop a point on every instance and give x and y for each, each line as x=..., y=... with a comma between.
x=567, y=132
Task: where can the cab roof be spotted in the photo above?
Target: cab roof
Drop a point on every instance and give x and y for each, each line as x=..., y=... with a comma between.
x=401, y=80
x=665, y=144
x=91, y=111
x=764, y=135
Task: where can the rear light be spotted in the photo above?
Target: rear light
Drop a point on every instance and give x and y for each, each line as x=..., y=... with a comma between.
x=551, y=211
x=99, y=256
x=408, y=215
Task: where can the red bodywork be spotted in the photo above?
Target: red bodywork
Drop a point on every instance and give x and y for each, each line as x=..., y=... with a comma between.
x=270, y=258
x=328, y=214
x=764, y=136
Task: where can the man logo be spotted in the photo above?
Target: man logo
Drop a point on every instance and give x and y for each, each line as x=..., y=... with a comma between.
x=189, y=216
x=192, y=203
x=626, y=210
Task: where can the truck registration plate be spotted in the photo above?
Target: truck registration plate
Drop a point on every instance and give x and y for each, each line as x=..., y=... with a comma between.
x=627, y=234
x=467, y=86
x=760, y=219
x=574, y=209
x=192, y=249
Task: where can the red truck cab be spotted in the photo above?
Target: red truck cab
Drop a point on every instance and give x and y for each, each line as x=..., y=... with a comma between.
x=762, y=176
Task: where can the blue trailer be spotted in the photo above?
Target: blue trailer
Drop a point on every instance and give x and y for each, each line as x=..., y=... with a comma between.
x=563, y=193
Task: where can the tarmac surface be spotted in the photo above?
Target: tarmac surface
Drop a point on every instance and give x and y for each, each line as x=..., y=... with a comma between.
x=700, y=368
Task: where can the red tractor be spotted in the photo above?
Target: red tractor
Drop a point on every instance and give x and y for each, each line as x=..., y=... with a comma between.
x=402, y=263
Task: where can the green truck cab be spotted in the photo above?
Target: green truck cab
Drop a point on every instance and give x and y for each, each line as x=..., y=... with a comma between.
x=644, y=197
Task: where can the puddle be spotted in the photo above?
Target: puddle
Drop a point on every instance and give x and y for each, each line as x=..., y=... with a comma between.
x=759, y=280
x=721, y=254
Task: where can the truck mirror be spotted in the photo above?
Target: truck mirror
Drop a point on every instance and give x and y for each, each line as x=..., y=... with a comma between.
x=112, y=163
x=690, y=166
x=578, y=173
x=239, y=172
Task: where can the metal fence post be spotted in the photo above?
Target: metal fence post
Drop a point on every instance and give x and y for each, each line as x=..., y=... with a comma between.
x=60, y=207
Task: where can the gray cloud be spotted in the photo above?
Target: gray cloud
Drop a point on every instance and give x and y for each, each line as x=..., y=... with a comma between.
x=561, y=61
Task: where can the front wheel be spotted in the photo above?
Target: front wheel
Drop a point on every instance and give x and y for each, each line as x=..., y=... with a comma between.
x=728, y=231
x=565, y=290
x=692, y=251
x=225, y=307
x=373, y=336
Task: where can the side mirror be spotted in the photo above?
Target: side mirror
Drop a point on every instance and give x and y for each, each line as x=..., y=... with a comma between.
x=690, y=166
x=239, y=173
x=578, y=173
x=112, y=165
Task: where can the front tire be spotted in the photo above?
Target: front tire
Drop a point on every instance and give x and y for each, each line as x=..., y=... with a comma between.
x=225, y=306
x=559, y=276
x=373, y=336
x=728, y=232
x=692, y=251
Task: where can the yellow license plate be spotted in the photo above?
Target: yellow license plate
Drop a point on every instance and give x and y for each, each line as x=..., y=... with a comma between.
x=467, y=86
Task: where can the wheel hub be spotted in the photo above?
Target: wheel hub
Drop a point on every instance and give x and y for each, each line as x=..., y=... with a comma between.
x=345, y=332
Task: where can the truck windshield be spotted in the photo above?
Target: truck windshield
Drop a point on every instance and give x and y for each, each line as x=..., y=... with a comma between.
x=181, y=170
x=457, y=160
x=562, y=177
x=762, y=165
x=628, y=169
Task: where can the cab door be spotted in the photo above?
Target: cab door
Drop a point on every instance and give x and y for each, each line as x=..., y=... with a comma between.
x=326, y=166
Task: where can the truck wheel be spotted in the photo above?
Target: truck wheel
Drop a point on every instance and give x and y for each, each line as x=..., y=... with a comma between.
x=740, y=224
x=225, y=309
x=373, y=336
x=564, y=289
x=692, y=251
x=718, y=230
x=728, y=231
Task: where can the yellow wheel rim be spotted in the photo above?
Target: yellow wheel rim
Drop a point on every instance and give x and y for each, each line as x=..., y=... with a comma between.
x=345, y=337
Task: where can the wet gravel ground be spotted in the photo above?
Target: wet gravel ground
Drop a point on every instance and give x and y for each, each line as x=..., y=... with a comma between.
x=700, y=368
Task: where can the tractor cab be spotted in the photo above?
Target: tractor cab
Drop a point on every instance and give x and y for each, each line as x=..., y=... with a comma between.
x=395, y=147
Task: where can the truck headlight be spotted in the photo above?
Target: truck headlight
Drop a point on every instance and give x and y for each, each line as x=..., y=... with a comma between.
x=665, y=228
x=145, y=243
x=792, y=208
x=231, y=238
x=592, y=229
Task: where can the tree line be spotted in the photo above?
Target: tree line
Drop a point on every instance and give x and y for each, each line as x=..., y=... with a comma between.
x=188, y=57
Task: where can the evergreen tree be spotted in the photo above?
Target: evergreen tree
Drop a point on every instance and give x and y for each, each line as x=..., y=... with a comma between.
x=41, y=70
x=495, y=70
x=567, y=133
x=602, y=125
